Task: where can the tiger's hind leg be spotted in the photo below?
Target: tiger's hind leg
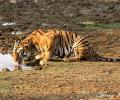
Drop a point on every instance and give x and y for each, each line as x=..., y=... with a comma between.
x=71, y=59
x=78, y=54
x=76, y=57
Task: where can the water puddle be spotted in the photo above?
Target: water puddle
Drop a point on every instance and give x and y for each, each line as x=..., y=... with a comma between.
x=6, y=61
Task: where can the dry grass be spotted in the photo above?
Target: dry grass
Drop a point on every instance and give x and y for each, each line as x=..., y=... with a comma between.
x=67, y=80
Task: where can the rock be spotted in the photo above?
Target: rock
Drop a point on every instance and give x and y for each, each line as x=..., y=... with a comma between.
x=38, y=68
x=5, y=70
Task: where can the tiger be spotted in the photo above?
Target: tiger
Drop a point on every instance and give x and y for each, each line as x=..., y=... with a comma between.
x=68, y=46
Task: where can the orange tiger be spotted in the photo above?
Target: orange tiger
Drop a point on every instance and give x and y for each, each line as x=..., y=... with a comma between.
x=48, y=43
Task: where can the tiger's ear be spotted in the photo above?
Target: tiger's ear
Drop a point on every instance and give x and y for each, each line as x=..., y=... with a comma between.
x=23, y=37
x=27, y=42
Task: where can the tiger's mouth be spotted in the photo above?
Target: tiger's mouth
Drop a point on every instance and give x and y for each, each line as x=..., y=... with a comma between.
x=19, y=57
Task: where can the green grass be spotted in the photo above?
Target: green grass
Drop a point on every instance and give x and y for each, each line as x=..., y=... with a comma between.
x=98, y=26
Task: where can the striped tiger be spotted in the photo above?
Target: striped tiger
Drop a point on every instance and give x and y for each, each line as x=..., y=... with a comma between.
x=68, y=46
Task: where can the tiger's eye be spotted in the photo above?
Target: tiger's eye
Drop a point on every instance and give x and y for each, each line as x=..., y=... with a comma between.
x=18, y=47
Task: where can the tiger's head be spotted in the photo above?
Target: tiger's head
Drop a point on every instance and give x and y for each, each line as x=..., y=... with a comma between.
x=21, y=51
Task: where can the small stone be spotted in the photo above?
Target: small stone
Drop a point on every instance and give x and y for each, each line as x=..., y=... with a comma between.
x=38, y=68
x=5, y=70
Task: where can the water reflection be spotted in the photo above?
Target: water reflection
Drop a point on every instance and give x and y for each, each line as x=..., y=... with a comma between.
x=6, y=61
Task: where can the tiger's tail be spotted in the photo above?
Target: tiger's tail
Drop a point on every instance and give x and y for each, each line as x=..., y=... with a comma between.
x=105, y=59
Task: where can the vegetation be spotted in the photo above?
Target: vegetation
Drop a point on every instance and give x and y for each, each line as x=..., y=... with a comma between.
x=63, y=14
x=98, y=26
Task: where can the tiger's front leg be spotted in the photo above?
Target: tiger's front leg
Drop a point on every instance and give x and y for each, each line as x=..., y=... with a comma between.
x=44, y=57
x=40, y=56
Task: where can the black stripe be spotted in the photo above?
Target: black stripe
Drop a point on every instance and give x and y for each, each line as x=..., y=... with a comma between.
x=35, y=36
x=67, y=37
x=39, y=32
x=61, y=45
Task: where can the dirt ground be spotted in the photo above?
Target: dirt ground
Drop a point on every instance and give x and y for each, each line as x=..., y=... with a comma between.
x=64, y=81
x=82, y=80
x=63, y=14
x=69, y=81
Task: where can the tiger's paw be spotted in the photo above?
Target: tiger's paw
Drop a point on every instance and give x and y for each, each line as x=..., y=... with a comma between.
x=65, y=59
x=37, y=57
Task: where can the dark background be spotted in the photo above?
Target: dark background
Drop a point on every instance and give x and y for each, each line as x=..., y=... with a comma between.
x=63, y=14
